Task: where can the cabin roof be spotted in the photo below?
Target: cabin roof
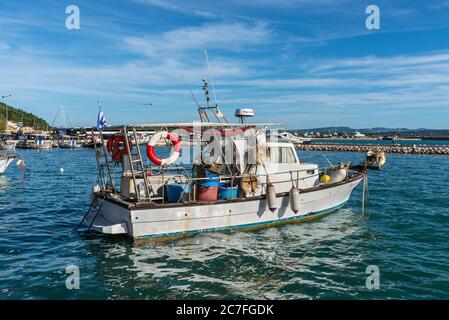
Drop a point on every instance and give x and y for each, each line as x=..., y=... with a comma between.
x=174, y=125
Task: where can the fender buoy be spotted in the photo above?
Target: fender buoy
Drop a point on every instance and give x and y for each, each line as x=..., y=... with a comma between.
x=271, y=197
x=294, y=199
x=116, y=146
x=174, y=152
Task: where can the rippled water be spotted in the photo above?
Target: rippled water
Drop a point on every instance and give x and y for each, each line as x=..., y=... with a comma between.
x=404, y=232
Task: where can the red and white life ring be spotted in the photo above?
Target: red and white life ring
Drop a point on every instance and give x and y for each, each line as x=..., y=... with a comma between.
x=116, y=146
x=174, y=155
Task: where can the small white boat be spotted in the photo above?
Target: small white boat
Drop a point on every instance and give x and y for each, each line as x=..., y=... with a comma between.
x=35, y=142
x=69, y=144
x=285, y=136
x=42, y=143
x=7, y=146
x=7, y=143
x=5, y=161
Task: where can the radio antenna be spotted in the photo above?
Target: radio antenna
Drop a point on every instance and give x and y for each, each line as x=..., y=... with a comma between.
x=190, y=91
x=210, y=76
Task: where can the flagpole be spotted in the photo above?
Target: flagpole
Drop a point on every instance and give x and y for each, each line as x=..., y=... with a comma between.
x=101, y=119
x=99, y=128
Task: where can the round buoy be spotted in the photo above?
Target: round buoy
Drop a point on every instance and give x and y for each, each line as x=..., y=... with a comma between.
x=116, y=146
x=61, y=170
x=325, y=179
x=174, y=155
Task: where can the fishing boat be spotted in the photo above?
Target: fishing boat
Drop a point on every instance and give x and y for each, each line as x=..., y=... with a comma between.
x=41, y=142
x=35, y=142
x=237, y=180
x=7, y=146
x=7, y=143
x=68, y=142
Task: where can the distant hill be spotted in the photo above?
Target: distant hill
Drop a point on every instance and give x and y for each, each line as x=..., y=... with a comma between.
x=19, y=115
x=379, y=131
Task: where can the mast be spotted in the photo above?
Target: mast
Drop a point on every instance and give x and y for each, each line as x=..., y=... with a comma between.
x=203, y=111
x=6, y=111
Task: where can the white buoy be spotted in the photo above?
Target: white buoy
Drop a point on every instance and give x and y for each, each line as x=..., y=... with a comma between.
x=294, y=199
x=61, y=170
x=271, y=197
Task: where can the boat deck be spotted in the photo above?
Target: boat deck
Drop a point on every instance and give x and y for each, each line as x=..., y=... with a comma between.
x=133, y=204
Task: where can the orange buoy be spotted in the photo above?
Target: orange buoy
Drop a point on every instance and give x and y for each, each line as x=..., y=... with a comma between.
x=116, y=146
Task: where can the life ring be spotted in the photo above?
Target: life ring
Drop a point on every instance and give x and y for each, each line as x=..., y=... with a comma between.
x=174, y=155
x=116, y=146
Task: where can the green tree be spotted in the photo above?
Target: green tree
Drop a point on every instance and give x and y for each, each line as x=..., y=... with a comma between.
x=18, y=115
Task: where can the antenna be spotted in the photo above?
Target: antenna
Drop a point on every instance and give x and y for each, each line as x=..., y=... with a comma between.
x=210, y=76
x=190, y=91
x=206, y=91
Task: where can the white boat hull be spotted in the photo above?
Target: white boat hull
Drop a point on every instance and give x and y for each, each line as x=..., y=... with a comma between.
x=144, y=222
x=7, y=147
x=4, y=163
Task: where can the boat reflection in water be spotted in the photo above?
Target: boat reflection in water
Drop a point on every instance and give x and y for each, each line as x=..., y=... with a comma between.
x=254, y=265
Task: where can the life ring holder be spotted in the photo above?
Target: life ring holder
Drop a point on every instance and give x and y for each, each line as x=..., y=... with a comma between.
x=116, y=146
x=174, y=155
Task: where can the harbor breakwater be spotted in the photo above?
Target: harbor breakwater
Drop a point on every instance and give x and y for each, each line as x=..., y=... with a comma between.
x=406, y=149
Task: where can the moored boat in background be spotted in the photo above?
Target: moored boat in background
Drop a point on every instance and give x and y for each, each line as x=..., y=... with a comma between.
x=7, y=146
x=7, y=158
x=5, y=161
x=67, y=142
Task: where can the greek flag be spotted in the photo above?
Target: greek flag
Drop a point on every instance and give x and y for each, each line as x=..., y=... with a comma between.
x=101, y=119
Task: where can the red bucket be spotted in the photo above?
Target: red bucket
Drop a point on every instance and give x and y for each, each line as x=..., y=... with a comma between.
x=206, y=193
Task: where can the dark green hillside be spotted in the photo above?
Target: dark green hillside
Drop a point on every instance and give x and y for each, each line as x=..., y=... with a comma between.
x=19, y=115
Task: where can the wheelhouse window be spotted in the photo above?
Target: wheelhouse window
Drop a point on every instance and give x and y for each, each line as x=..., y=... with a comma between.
x=282, y=155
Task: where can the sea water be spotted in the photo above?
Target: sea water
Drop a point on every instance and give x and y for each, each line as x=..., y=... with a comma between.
x=402, y=234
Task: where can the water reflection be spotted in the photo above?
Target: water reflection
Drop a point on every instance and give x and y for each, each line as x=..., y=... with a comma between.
x=259, y=264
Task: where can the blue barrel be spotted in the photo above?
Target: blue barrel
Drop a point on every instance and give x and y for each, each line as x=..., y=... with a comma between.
x=212, y=180
x=174, y=191
x=226, y=192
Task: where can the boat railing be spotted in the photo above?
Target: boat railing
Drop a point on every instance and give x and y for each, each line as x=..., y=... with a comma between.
x=263, y=178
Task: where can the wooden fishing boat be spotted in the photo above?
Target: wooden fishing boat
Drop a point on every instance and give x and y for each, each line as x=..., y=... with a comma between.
x=241, y=177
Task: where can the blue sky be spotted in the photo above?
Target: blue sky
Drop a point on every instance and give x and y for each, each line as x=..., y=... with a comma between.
x=305, y=63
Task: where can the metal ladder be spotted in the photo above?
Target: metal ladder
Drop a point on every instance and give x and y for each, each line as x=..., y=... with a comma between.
x=104, y=164
x=136, y=158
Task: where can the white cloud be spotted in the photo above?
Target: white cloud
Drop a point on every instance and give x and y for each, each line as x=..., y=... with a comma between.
x=225, y=36
x=373, y=62
x=167, y=5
